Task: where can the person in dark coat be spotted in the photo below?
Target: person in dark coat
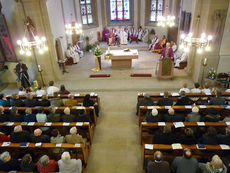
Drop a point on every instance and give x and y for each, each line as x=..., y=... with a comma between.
x=167, y=137
x=210, y=137
x=63, y=90
x=154, y=116
x=67, y=116
x=212, y=116
x=39, y=137
x=15, y=116
x=158, y=165
x=16, y=101
x=27, y=164
x=183, y=100
x=19, y=135
x=3, y=116
x=146, y=101
x=82, y=116
x=31, y=101
x=8, y=163
x=87, y=102
x=166, y=101
x=188, y=138
x=44, y=102
x=21, y=71
x=52, y=116
x=224, y=139
x=218, y=100
x=29, y=116
x=172, y=117
x=185, y=164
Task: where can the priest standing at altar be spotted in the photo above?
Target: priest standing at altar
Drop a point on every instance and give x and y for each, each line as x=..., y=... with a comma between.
x=21, y=71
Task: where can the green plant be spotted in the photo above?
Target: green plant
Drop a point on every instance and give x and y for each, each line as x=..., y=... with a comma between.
x=97, y=51
x=87, y=38
x=212, y=74
x=89, y=47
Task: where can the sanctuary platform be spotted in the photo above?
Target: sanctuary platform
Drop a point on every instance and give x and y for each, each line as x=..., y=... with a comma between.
x=140, y=46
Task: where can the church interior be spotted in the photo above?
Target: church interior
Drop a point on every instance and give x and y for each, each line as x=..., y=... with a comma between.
x=115, y=86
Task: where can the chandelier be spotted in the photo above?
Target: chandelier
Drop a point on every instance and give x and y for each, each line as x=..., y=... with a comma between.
x=166, y=21
x=73, y=27
x=26, y=46
x=202, y=43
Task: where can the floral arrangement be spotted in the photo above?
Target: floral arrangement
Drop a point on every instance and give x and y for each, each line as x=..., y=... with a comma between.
x=212, y=74
x=97, y=51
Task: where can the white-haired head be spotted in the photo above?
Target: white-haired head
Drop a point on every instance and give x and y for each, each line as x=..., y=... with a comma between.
x=5, y=156
x=154, y=112
x=67, y=111
x=65, y=156
x=18, y=128
x=73, y=130
x=195, y=109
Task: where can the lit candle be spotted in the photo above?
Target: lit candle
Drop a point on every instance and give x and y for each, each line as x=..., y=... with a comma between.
x=205, y=62
x=39, y=68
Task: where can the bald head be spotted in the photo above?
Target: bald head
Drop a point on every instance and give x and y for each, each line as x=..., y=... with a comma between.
x=171, y=111
x=37, y=132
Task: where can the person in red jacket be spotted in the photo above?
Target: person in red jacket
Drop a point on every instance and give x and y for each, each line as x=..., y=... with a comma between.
x=4, y=138
x=46, y=165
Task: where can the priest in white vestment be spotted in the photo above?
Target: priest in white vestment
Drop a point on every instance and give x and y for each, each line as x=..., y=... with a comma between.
x=123, y=37
x=179, y=57
x=70, y=53
x=78, y=49
x=154, y=42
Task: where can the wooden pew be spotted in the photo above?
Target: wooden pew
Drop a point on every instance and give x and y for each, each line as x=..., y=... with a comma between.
x=145, y=126
x=175, y=95
x=89, y=110
x=149, y=149
x=60, y=125
x=177, y=108
x=80, y=148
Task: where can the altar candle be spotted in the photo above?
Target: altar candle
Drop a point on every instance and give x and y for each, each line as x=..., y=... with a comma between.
x=39, y=68
x=109, y=49
x=205, y=62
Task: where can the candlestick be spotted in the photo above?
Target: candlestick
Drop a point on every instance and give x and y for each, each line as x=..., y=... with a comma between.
x=205, y=62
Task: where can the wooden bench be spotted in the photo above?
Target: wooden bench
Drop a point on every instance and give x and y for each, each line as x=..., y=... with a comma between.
x=78, y=97
x=90, y=111
x=141, y=116
x=79, y=148
x=176, y=95
x=145, y=126
x=149, y=149
x=84, y=129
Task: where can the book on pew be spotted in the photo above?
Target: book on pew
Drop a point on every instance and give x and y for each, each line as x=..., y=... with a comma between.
x=149, y=146
x=200, y=123
x=24, y=144
x=23, y=123
x=31, y=123
x=224, y=147
x=8, y=123
x=228, y=123
x=177, y=146
x=178, y=124
x=39, y=144
x=161, y=124
x=5, y=144
x=200, y=146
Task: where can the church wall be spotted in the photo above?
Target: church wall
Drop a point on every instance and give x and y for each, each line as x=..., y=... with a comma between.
x=224, y=63
x=57, y=24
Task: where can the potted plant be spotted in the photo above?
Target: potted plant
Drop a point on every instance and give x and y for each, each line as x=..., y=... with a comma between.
x=97, y=53
x=89, y=48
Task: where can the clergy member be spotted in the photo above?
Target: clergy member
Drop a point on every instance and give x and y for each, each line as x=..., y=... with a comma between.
x=179, y=57
x=78, y=49
x=70, y=53
x=154, y=42
x=21, y=71
x=123, y=37
x=167, y=52
x=158, y=48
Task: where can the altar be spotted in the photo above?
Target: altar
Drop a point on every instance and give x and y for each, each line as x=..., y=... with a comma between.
x=122, y=58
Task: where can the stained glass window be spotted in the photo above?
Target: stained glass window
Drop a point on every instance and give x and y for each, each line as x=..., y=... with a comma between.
x=156, y=10
x=86, y=12
x=119, y=10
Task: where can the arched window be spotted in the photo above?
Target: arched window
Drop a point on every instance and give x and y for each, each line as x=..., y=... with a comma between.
x=156, y=10
x=86, y=12
x=119, y=10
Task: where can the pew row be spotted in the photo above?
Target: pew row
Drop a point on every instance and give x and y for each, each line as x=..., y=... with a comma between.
x=84, y=128
x=147, y=126
x=175, y=95
x=144, y=110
